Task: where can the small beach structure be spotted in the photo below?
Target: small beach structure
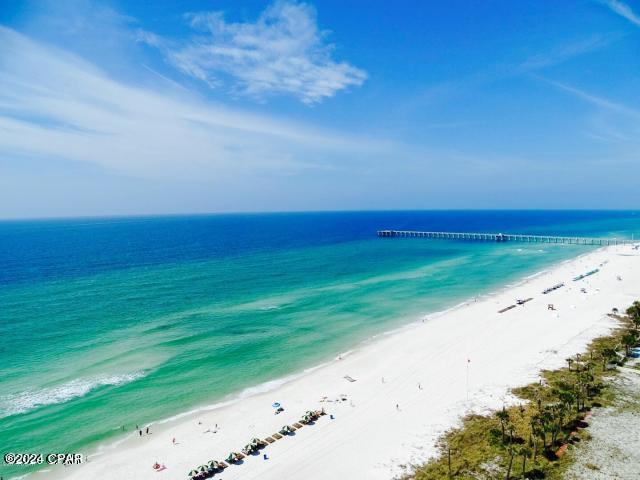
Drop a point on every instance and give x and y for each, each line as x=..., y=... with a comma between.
x=309, y=416
x=234, y=457
x=286, y=430
x=584, y=275
x=253, y=446
x=506, y=309
x=551, y=289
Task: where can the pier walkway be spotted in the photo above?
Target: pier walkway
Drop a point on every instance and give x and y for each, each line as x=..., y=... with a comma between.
x=505, y=237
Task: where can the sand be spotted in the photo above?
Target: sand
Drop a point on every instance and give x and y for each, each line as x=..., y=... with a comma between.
x=411, y=385
x=613, y=451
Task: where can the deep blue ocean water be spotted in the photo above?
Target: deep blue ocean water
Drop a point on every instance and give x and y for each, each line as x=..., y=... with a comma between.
x=120, y=321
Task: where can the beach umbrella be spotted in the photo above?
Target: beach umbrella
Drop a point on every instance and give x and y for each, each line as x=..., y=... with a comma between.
x=203, y=468
x=276, y=405
x=193, y=473
x=212, y=464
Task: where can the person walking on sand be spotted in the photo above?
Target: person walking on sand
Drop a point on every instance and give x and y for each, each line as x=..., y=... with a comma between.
x=397, y=407
x=174, y=440
x=147, y=430
x=140, y=432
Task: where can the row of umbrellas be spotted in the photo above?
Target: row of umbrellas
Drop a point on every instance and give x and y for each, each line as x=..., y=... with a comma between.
x=309, y=416
x=255, y=444
x=204, y=470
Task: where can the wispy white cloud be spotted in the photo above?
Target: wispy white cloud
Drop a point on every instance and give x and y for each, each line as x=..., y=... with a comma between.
x=282, y=52
x=75, y=112
x=564, y=53
x=623, y=10
x=611, y=122
x=596, y=100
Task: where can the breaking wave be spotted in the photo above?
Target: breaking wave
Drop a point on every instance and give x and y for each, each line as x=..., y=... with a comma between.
x=23, y=402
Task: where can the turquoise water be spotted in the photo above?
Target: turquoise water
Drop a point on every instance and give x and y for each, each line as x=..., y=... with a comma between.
x=112, y=322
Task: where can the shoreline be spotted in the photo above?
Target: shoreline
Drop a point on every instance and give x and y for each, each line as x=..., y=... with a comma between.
x=230, y=399
x=235, y=397
x=138, y=465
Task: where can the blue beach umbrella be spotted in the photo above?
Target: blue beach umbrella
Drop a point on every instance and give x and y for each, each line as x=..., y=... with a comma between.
x=276, y=405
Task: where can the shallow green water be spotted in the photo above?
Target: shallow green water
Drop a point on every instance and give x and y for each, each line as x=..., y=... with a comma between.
x=91, y=344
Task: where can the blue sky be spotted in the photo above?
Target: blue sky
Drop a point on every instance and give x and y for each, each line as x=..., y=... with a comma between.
x=218, y=106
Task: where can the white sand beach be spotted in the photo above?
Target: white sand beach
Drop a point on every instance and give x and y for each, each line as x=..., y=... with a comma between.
x=434, y=371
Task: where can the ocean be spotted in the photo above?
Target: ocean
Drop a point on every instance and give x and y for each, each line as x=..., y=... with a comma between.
x=108, y=323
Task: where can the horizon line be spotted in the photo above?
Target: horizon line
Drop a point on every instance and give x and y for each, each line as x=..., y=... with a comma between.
x=293, y=212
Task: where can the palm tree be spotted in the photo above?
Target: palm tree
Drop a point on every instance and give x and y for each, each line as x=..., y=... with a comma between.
x=503, y=416
x=634, y=313
x=567, y=397
x=544, y=426
x=556, y=414
x=608, y=354
x=525, y=451
x=511, y=450
x=535, y=431
x=629, y=340
x=569, y=362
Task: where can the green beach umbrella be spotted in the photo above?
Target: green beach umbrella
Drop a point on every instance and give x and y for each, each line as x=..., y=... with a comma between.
x=193, y=473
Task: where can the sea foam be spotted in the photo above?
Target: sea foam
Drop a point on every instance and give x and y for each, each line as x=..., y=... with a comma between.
x=23, y=402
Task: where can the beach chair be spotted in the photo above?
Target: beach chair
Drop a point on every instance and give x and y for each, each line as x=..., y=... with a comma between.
x=297, y=425
x=269, y=440
x=277, y=436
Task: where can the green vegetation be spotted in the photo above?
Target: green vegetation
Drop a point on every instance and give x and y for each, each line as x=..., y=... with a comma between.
x=530, y=440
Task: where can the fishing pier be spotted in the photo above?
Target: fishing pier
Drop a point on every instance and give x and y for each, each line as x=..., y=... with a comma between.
x=503, y=237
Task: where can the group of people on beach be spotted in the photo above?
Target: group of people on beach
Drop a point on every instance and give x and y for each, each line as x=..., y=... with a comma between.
x=146, y=430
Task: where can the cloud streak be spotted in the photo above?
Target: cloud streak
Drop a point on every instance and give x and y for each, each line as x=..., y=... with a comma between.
x=595, y=99
x=564, y=53
x=624, y=11
x=282, y=53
